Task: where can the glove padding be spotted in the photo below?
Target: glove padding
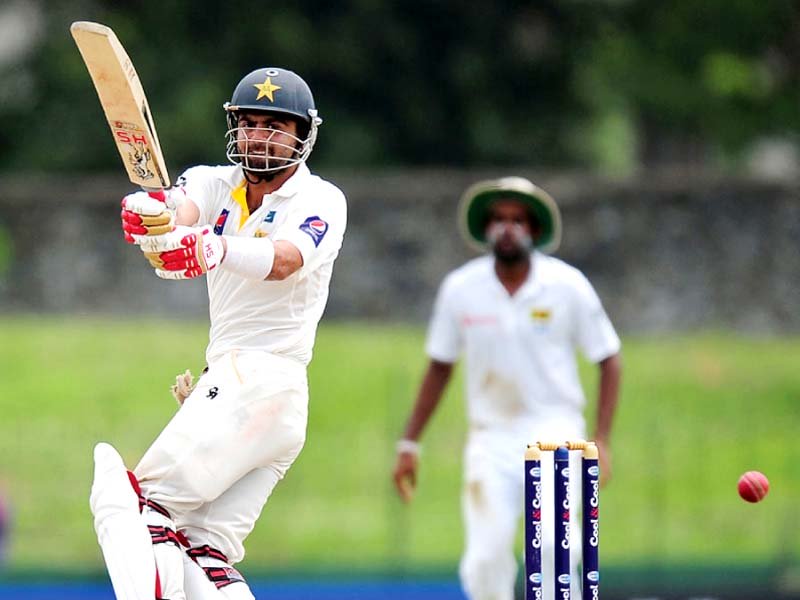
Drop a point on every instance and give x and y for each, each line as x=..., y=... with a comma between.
x=184, y=252
x=146, y=214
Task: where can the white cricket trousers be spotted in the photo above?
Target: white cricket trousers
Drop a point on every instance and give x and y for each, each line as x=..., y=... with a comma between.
x=217, y=461
x=492, y=504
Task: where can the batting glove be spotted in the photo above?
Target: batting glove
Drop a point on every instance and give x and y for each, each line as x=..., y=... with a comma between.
x=184, y=252
x=146, y=214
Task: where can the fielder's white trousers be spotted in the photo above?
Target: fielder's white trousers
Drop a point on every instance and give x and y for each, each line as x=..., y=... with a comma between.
x=215, y=464
x=492, y=504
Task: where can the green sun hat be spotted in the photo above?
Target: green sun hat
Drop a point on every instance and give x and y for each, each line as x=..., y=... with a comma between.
x=478, y=198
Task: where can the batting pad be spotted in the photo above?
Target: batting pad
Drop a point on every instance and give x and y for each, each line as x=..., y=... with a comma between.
x=121, y=531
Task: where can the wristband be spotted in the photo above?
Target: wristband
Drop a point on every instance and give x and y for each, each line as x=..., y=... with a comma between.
x=252, y=258
x=408, y=446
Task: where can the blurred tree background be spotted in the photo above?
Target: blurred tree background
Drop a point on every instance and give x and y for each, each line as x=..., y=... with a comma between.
x=609, y=85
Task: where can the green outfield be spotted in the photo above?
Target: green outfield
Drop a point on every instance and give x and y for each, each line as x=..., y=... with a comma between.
x=696, y=411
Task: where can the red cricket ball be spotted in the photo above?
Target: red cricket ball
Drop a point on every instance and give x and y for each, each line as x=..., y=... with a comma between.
x=753, y=486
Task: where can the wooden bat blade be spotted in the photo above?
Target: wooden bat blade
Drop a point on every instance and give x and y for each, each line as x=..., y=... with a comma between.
x=124, y=103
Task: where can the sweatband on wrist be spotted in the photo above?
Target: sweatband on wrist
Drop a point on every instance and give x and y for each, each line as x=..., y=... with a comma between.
x=251, y=258
x=408, y=446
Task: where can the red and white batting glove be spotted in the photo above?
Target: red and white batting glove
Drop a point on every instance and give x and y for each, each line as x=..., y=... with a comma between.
x=184, y=252
x=146, y=214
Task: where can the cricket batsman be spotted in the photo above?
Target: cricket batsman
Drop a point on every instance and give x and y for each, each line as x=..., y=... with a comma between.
x=264, y=231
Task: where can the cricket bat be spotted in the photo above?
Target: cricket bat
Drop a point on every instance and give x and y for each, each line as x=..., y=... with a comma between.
x=124, y=103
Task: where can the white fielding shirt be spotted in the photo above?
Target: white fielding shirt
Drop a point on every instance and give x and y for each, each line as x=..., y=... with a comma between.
x=520, y=350
x=279, y=317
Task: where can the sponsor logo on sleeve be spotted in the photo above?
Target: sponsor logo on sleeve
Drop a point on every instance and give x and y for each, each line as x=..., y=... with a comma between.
x=316, y=228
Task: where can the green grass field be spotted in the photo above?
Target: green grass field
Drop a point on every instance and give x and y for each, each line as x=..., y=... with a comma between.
x=696, y=411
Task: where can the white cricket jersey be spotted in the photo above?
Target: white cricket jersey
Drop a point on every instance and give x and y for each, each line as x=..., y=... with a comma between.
x=280, y=317
x=520, y=350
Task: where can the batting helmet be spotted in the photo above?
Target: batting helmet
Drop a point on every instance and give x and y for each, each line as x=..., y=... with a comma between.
x=274, y=90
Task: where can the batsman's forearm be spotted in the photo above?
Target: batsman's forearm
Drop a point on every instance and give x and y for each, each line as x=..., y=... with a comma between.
x=608, y=395
x=430, y=393
x=187, y=213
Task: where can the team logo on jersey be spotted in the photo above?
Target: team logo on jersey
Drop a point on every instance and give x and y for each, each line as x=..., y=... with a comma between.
x=316, y=228
x=270, y=218
x=541, y=315
x=220, y=224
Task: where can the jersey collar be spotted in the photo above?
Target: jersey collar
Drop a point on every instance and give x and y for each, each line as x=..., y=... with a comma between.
x=532, y=284
x=292, y=185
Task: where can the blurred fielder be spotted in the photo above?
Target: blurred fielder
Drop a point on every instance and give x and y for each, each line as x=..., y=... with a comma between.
x=518, y=317
x=265, y=232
